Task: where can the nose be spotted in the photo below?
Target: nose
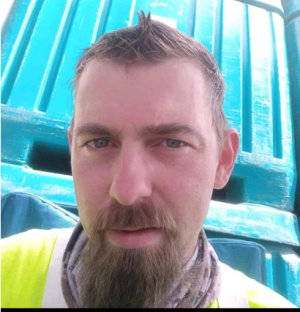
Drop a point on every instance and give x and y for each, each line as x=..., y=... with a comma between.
x=131, y=181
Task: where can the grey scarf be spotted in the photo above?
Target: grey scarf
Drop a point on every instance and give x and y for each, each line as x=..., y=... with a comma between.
x=202, y=275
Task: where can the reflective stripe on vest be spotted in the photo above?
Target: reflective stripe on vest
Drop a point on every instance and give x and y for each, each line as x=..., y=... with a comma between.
x=53, y=296
x=231, y=294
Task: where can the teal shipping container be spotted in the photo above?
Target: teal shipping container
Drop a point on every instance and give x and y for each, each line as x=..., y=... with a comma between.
x=257, y=46
x=292, y=22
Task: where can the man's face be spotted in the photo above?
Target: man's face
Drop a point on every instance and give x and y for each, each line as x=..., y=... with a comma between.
x=145, y=161
x=144, y=135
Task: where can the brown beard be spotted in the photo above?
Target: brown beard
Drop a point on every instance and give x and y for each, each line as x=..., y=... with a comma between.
x=129, y=278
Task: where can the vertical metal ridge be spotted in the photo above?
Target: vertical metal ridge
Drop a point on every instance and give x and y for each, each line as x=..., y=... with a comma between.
x=246, y=81
x=101, y=20
x=55, y=58
x=193, y=18
x=131, y=13
x=15, y=60
x=218, y=32
x=275, y=95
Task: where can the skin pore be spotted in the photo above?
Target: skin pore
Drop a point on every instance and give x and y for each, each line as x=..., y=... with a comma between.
x=143, y=140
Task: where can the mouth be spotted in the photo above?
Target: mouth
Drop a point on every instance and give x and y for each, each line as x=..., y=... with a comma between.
x=131, y=238
x=132, y=229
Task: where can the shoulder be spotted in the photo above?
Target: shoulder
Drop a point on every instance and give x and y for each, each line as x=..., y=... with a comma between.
x=25, y=259
x=29, y=239
x=35, y=244
x=258, y=295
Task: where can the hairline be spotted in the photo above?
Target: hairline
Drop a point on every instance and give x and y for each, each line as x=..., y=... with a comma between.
x=128, y=66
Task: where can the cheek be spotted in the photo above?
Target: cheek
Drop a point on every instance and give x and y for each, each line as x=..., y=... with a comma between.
x=191, y=179
x=88, y=173
x=90, y=183
x=187, y=192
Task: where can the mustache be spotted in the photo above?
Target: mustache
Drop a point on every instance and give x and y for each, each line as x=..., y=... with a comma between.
x=140, y=216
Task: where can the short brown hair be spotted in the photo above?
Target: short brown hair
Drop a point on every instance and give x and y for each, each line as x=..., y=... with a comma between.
x=153, y=42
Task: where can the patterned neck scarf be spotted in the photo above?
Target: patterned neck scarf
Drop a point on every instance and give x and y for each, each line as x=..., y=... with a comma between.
x=201, y=274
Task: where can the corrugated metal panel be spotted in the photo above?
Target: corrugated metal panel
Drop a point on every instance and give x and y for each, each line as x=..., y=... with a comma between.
x=284, y=271
x=292, y=20
x=253, y=221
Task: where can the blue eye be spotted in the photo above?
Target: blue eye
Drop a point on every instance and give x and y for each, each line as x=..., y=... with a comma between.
x=174, y=143
x=99, y=143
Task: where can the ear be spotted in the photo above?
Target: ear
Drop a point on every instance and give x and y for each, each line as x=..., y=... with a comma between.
x=227, y=158
x=70, y=138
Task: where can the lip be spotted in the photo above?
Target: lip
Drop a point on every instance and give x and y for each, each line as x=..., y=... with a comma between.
x=131, y=238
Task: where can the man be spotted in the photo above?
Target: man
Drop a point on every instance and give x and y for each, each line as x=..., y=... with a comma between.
x=149, y=142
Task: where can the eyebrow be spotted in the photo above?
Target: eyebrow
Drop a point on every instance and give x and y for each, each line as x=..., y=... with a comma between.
x=172, y=129
x=151, y=130
x=94, y=129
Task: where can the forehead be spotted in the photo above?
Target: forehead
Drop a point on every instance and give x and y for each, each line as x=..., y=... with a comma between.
x=171, y=91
